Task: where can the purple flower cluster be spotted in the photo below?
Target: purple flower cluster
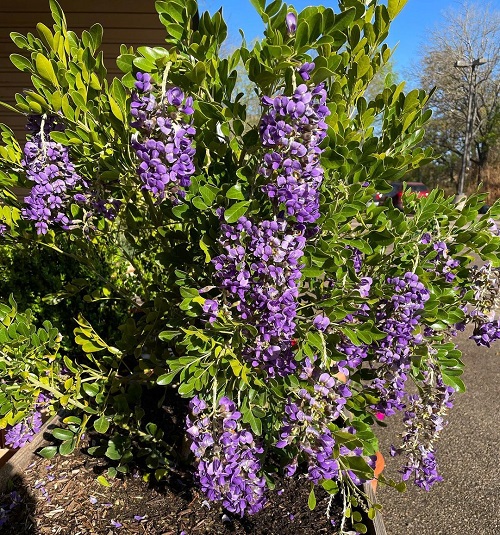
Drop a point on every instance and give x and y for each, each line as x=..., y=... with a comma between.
x=443, y=263
x=48, y=165
x=354, y=354
x=423, y=420
x=357, y=258
x=486, y=333
x=227, y=457
x=292, y=131
x=398, y=319
x=258, y=272
x=23, y=432
x=486, y=282
x=166, y=150
x=306, y=425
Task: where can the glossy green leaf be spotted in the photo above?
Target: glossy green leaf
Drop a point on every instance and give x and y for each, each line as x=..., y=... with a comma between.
x=101, y=425
x=395, y=6
x=21, y=63
x=234, y=212
x=62, y=434
x=45, y=69
x=235, y=192
x=311, y=501
x=48, y=452
x=67, y=447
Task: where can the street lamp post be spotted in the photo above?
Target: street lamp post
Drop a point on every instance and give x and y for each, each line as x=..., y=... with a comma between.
x=470, y=120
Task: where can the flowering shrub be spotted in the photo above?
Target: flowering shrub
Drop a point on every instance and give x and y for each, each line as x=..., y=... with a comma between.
x=262, y=283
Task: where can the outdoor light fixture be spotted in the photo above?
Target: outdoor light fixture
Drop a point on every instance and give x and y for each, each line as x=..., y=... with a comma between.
x=462, y=64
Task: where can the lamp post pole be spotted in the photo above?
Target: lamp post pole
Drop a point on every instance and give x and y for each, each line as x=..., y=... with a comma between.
x=470, y=121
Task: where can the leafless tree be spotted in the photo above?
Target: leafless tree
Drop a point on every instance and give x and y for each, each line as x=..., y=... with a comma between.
x=467, y=35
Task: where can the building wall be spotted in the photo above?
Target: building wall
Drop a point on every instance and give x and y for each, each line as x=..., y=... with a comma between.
x=129, y=22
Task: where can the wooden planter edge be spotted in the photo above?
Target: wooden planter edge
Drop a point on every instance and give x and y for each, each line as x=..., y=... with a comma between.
x=22, y=458
x=375, y=526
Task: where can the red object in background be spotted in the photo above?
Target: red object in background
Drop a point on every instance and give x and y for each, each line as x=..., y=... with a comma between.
x=396, y=195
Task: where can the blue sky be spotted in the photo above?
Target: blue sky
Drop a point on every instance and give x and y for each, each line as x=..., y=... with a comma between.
x=409, y=29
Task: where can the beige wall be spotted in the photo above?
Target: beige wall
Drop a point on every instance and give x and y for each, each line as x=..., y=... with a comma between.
x=131, y=22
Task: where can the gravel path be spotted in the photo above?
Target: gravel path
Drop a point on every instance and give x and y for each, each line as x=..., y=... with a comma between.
x=467, y=502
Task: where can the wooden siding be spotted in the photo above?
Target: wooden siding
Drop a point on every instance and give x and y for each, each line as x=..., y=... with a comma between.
x=130, y=22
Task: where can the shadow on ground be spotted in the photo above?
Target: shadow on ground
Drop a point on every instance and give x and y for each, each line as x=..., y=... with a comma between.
x=18, y=505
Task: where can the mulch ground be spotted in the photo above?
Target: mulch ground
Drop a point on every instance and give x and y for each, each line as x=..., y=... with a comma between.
x=62, y=496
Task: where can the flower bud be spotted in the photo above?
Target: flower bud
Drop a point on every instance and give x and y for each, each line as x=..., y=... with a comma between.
x=291, y=23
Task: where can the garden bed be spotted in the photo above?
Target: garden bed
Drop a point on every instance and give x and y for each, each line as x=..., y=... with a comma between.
x=63, y=496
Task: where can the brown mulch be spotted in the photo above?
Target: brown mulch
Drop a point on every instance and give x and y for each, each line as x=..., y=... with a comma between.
x=62, y=496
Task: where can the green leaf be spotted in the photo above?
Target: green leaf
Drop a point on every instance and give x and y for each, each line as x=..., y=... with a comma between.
x=45, y=69
x=255, y=423
x=115, y=109
x=168, y=335
x=209, y=194
x=90, y=390
x=143, y=64
x=302, y=35
x=103, y=481
x=89, y=347
x=119, y=93
x=199, y=204
x=96, y=32
x=259, y=5
x=394, y=7
x=235, y=193
x=21, y=63
x=48, y=452
x=234, y=212
x=72, y=419
x=175, y=30
x=340, y=21
x=361, y=528
x=186, y=389
x=166, y=378
x=67, y=447
x=198, y=74
x=57, y=13
x=62, y=434
x=125, y=62
x=311, y=502
x=101, y=425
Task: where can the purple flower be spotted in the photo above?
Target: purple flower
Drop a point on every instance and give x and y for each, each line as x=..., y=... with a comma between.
x=292, y=131
x=424, y=419
x=165, y=150
x=227, y=458
x=291, y=23
x=306, y=425
x=486, y=333
x=211, y=308
x=305, y=70
x=426, y=238
x=23, y=432
x=116, y=524
x=48, y=165
x=259, y=271
x=321, y=322
x=365, y=286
